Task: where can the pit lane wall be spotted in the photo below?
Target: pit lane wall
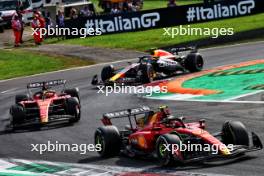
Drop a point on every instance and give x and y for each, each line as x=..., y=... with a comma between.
x=167, y=17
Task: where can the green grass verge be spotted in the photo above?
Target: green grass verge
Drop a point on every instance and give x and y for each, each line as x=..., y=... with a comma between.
x=14, y=63
x=154, y=38
x=154, y=4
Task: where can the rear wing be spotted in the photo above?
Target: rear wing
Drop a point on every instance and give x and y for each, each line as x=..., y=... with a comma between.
x=124, y=113
x=51, y=83
x=193, y=49
x=127, y=112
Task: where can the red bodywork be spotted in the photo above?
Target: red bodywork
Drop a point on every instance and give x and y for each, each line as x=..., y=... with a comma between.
x=145, y=137
x=159, y=134
x=43, y=104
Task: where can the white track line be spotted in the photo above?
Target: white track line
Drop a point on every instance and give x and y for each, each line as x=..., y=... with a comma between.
x=121, y=61
x=245, y=95
x=13, y=172
x=102, y=173
x=208, y=101
x=8, y=91
x=233, y=45
x=83, y=172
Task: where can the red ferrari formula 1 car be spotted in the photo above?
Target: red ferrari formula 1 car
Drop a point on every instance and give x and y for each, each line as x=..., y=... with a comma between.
x=159, y=65
x=163, y=136
x=45, y=106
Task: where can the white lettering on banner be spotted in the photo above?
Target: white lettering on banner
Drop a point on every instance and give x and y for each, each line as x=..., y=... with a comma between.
x=220, y=11
x=148, y=20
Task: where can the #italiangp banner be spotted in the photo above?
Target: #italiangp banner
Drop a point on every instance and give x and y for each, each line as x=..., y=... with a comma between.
x=167, y=17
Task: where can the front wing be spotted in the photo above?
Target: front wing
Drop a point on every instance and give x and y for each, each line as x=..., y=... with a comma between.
x=237, y=151
x=36, y=121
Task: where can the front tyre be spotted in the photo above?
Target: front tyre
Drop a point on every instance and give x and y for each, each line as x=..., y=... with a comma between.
x=107, y=72
x=73, y=93
x=109, y=139
x=17, y=114
x=168, y=157
x=235, y=132
x=73, y=109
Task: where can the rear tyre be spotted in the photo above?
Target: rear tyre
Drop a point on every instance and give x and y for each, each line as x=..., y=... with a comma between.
x=108, y=137
x=21, y=97
x=165, y=157
x=235, y=132
x=107, y=72
x=73, y=93
x=194, y=62
x=17, y=114
x=73, y=108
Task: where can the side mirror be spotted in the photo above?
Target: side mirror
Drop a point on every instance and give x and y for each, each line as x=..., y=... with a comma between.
x=182, y=118
x=202, y=123
x=174, y=51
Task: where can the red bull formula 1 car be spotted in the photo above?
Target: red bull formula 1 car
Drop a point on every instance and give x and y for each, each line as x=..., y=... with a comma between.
x=159, y=65
x=161, y=135
x=45, y=106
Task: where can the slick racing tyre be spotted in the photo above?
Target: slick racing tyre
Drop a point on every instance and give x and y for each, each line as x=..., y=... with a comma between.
x=109, y=139
x=73, y=108
x=234, y=132
x=194, y=62
x=147, y=73
x=107, y=72
x=21, y=97
x=1, y=29
x=17, y=114
x=73, y=93
x=167, y=157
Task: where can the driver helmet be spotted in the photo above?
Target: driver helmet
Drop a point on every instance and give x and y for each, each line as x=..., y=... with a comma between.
x=45, y=87
x=165, y=110
x=35, y=16
x=38, y=13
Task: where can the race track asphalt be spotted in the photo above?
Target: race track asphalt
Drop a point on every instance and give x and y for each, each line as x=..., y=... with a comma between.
x=18, y=144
